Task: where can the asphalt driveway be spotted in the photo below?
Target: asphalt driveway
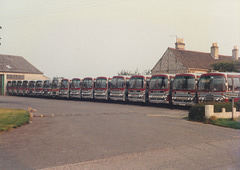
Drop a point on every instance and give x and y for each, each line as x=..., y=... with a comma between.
x=83, y=134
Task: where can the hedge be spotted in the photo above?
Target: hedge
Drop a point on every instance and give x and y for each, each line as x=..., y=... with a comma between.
x=197, y=112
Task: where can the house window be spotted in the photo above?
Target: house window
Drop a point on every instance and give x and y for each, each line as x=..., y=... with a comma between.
x=15, y=77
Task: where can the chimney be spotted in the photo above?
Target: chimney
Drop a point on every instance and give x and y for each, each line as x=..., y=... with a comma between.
x=214, y=50
x=180, y=44
x=235, y=53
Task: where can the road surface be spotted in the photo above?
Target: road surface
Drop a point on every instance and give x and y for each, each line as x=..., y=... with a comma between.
x=97, y=135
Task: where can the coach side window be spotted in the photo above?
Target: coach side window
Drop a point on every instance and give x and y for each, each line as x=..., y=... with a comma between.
x=236, y=83
x=230, y=84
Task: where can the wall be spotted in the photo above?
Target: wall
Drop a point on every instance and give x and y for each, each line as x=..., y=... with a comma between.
x=22, y=76
x=169, y=64
x=209, y=111
x=35, y=77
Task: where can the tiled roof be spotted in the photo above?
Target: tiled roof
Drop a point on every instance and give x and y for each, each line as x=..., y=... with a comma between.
x=16, y=64
x=195, y=59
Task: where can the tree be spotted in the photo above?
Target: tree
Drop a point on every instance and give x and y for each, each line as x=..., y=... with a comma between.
x=135, y=72
x=125, y=73
x=233, y=66
x=146, y=72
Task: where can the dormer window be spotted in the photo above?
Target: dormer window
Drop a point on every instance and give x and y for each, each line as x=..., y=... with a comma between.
x=8, y=66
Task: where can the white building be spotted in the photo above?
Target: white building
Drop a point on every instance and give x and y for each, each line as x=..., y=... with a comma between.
x=17, y=68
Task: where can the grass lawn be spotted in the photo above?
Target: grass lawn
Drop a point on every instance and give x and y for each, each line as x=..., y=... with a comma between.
x=228, y=123
x=12, y=118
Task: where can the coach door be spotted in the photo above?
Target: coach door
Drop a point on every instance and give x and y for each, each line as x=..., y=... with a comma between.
x=1, y=84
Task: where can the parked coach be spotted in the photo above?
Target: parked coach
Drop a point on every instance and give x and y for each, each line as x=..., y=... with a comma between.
x=119, y=88
x=64, y=88
x=88, y=88
x=75, y=88
x=101, y=90
x=185, y=89
x=216, y=86
x=160, y=88
x=138, y=89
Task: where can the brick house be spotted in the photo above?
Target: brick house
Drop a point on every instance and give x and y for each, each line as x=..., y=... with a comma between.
x=178, y=60
x=17, y=68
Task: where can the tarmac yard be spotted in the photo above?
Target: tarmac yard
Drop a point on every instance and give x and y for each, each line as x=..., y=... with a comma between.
x=70, y=134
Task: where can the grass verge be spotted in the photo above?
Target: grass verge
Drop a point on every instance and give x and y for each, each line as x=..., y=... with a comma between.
x=227, y=123
x=12, y=118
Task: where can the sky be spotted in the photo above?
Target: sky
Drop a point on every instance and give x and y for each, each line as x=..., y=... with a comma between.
x=80, y=38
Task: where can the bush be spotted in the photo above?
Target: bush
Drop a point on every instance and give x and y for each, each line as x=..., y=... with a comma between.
x=218, y=106
x=237, y=104
x=197, y=112
x=213, y=118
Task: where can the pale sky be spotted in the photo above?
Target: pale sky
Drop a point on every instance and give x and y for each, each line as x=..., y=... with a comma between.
x=80, y=38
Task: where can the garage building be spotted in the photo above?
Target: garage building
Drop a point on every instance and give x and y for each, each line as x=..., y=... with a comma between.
x=17, y=68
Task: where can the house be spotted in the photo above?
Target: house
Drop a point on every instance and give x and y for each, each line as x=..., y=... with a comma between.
x=17, y=68
x=178, y=60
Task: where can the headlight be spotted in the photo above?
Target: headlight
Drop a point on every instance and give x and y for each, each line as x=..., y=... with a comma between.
x=219, y=99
